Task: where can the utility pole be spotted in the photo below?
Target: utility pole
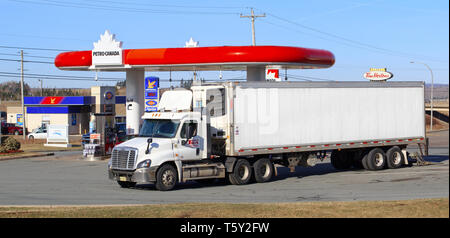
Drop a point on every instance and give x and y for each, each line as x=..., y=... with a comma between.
x=42, y=93
x=22, y=86
x=253, y=16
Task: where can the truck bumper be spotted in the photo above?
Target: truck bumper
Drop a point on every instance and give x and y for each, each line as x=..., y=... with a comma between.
x=142, y=175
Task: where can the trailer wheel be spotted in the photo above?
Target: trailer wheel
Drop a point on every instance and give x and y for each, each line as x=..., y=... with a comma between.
x=126, y=184
x=263, y=169
x=341, y=160
x=376, y=159
x=394, y=157
x=357, y=159
x=364, y=161
x=242, y=173
x=166, y=178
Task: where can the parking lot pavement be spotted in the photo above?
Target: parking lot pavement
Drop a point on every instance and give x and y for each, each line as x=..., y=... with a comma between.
x=67, y=180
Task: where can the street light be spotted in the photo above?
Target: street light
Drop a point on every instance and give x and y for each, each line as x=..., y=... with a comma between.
x=431, y=94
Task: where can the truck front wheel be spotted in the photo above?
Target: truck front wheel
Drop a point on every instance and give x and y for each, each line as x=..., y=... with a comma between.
x=263, y=169
x=166, y=178
x=242, y=173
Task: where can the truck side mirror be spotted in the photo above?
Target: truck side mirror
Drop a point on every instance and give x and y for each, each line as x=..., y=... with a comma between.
x=149, y=141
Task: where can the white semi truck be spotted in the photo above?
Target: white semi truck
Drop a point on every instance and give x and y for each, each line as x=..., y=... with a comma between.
x=240, y=131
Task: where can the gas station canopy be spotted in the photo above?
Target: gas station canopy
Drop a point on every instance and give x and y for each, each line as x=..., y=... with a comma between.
x=257, y=61
x=202, y=58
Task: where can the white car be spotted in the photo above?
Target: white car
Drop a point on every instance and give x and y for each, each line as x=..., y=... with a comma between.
x=38, y=133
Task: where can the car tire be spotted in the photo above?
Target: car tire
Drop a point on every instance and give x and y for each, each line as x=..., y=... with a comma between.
x=394, y=158
x=242, y=173
x=263, y=170
x=31, y=137
x=166, y=178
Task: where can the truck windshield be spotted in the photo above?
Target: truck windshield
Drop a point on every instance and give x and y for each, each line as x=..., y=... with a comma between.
x=159, y=128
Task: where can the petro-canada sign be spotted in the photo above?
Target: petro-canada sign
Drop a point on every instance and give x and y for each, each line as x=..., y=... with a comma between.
x=107, y=51
x=378, y=74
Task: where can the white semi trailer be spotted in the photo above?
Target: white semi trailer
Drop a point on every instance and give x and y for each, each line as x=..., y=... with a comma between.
x=240, y=131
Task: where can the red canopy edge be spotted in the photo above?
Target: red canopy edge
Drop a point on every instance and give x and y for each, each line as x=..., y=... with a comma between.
x=207, y=55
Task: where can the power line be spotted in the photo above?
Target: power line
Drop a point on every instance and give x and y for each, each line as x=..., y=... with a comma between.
x=354, y=42
x=62, y=77
x=28, y=48
x=117, y=9
x=163, y=5
x=305, y=78
x=27, y=61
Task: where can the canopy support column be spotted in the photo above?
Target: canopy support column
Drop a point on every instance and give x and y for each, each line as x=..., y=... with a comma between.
x=135, y=100
x=256, y=73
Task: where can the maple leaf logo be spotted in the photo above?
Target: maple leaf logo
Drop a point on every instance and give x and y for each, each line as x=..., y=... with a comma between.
x=107, y=41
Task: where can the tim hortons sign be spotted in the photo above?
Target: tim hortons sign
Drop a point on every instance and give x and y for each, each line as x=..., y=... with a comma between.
x=378, y=74
x=107, y=51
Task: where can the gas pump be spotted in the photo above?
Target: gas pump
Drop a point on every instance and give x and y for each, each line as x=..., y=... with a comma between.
x=103, y=137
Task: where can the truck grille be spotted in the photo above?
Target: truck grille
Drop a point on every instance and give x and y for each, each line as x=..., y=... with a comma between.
x=123, y=158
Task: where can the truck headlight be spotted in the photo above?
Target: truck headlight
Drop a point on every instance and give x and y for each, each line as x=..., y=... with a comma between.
x=144, y=164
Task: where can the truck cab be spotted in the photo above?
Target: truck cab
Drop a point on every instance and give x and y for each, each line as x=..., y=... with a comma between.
x=170, y=146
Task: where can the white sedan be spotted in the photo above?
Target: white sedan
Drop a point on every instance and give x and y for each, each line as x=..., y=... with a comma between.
x=38, y=133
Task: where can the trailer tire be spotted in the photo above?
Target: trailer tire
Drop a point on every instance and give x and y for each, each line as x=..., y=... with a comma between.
x=242, y=173
x=376, y=159
x=166, y=178
x=357, y=159
x=263, y=170
x=394, y=158
x=340, y=160
x=364, y=161
x=124, y=184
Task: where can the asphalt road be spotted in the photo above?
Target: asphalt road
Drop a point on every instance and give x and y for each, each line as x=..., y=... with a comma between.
x=66, y=180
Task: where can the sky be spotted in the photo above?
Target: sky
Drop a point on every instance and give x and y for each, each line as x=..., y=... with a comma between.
x=362, y=34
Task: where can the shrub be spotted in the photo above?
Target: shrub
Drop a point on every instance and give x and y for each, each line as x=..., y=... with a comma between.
x=11, y=144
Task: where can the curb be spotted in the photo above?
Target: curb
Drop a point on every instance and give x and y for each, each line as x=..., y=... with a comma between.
x=27, y=156
x=446, y=129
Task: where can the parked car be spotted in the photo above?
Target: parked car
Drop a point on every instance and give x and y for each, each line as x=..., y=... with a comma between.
x=38, y=133
x=11, y=129
x=3, y=127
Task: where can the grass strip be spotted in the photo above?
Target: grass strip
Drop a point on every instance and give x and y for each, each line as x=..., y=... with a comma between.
x=418, y=208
